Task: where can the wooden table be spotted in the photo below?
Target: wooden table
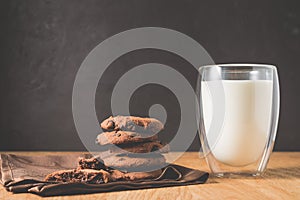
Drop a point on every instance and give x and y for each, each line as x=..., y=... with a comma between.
x=281, y=181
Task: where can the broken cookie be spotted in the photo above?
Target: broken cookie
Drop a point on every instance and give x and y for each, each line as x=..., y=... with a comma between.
x=77, y=175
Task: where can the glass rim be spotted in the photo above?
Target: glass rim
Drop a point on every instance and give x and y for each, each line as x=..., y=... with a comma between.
x=228, y=65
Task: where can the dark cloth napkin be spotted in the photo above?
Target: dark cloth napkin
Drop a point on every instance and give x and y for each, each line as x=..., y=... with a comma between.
x=21, y=174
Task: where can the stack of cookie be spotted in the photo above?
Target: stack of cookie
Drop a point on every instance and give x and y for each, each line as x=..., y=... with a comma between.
x=133, y=153
x=132, y=143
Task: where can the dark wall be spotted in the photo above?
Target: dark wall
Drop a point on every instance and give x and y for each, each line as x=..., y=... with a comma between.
x=43, y=43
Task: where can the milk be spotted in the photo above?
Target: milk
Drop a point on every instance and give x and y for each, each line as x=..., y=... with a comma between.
x=243, y=135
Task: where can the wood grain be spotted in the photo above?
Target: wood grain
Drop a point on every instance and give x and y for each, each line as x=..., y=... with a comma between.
x=281, y=181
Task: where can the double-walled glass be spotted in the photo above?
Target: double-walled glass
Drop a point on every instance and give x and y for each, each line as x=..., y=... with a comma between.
x=239, y=110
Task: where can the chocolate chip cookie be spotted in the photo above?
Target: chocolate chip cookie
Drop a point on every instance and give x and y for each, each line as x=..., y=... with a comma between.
x=91, y=163
x=143, y=147
x=135, y=162
x=77, y=175
x=132, y=123
x=123, y=137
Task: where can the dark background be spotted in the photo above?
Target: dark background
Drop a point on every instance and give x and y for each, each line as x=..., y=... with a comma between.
x=43, y=43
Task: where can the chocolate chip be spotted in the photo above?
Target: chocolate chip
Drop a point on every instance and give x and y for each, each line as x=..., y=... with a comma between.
x=111, y=124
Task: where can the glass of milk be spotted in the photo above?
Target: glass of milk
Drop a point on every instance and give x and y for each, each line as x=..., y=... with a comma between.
x=239, y=110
